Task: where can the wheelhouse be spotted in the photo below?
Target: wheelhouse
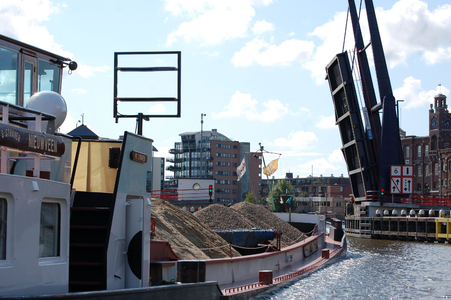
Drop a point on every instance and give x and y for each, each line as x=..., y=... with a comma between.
x=25, y=70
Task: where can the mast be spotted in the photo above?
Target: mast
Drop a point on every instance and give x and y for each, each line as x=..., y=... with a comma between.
x=391, y=150
x=372, y=113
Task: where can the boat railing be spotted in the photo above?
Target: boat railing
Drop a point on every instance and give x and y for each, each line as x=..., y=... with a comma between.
x=243, y=288
x=16, y=137
x=282, y=278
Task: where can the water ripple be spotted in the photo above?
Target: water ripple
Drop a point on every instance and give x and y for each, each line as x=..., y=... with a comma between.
x=378, y=269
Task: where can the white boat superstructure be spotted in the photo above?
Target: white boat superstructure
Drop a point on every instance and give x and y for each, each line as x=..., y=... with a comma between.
x=63, y=230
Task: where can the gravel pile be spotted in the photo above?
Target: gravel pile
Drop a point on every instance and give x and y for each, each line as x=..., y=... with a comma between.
x=265, y=219
x=219, y=217
x=187, y=236
x=245, y=215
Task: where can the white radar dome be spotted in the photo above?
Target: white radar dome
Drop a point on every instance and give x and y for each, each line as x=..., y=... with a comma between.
x=51, y=103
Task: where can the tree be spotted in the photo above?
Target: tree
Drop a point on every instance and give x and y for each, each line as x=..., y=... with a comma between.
x=282, y=187
x=250, y=198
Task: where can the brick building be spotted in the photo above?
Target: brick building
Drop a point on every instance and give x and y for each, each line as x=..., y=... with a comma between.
x=314, y=186
x=431, y=155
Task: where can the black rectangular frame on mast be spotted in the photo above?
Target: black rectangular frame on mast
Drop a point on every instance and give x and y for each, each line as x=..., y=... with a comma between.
x=141, y=116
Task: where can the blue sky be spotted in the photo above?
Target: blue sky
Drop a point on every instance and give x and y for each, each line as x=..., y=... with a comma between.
x=256, y=68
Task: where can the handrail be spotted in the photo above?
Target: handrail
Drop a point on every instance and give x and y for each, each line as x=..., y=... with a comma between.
x=28, y=110
x=415, y=199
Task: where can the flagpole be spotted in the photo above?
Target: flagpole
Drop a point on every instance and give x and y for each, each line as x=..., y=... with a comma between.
x=271, y=200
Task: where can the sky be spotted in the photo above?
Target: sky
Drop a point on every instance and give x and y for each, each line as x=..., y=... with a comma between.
x=255, y=68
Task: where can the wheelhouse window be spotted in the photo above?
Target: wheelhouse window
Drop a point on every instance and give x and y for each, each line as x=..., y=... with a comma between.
x=8, y=76
x=28, y=82
x=49, y=236
x=3, y=228
x=48, y=76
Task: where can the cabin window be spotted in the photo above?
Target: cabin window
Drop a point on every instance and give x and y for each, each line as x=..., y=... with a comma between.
x=48, y=77
x=3, y=228
x=28, y=81
x=8, y=76
x=49, y=235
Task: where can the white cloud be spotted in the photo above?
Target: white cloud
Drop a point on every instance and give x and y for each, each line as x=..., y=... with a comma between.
x=243, y=105
x=88, y=71
x=262, y=26
x=238, y=105
x=259, y=52
x=157, y=109
x=331, y=34
x=298, y=141
x=418, y=30
x=274, y=110
x=211, y=21
x=326, y=122
x=321, y=166
x=336, y=157
x=413, y=95
x=22, y=20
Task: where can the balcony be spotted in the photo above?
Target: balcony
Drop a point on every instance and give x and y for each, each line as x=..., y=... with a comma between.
x=175, y=151
x=173, y=160
x=173, y=168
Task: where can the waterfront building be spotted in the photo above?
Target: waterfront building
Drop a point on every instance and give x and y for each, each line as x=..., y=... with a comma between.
x=210, y=154
x=431, y=155
x=332, y=207
x=310, y=186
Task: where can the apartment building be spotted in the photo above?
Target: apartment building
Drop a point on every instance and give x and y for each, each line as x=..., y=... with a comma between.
x=210, y=154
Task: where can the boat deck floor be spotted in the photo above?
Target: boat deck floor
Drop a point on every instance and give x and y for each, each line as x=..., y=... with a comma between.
x=304, y=263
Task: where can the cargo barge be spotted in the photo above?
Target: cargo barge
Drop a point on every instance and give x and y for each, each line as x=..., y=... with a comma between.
x=58, y=242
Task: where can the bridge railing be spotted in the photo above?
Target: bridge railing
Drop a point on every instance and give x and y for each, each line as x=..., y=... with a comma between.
x=415, y=199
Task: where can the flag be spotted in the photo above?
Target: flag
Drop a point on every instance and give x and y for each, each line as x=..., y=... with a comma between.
x=289, y=200
x=241, y=169
x=271, y=167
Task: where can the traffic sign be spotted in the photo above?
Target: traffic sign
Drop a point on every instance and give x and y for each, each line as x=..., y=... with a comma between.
x=401, y=179
x=407, y=171
x=395, y=187
x=395, y=171
x=407, y=185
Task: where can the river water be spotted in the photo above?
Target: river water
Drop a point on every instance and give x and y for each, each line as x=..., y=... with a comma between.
x=378, y=269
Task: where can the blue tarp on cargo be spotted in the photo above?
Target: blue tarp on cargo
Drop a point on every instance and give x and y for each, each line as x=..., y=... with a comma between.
x=246, y=238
